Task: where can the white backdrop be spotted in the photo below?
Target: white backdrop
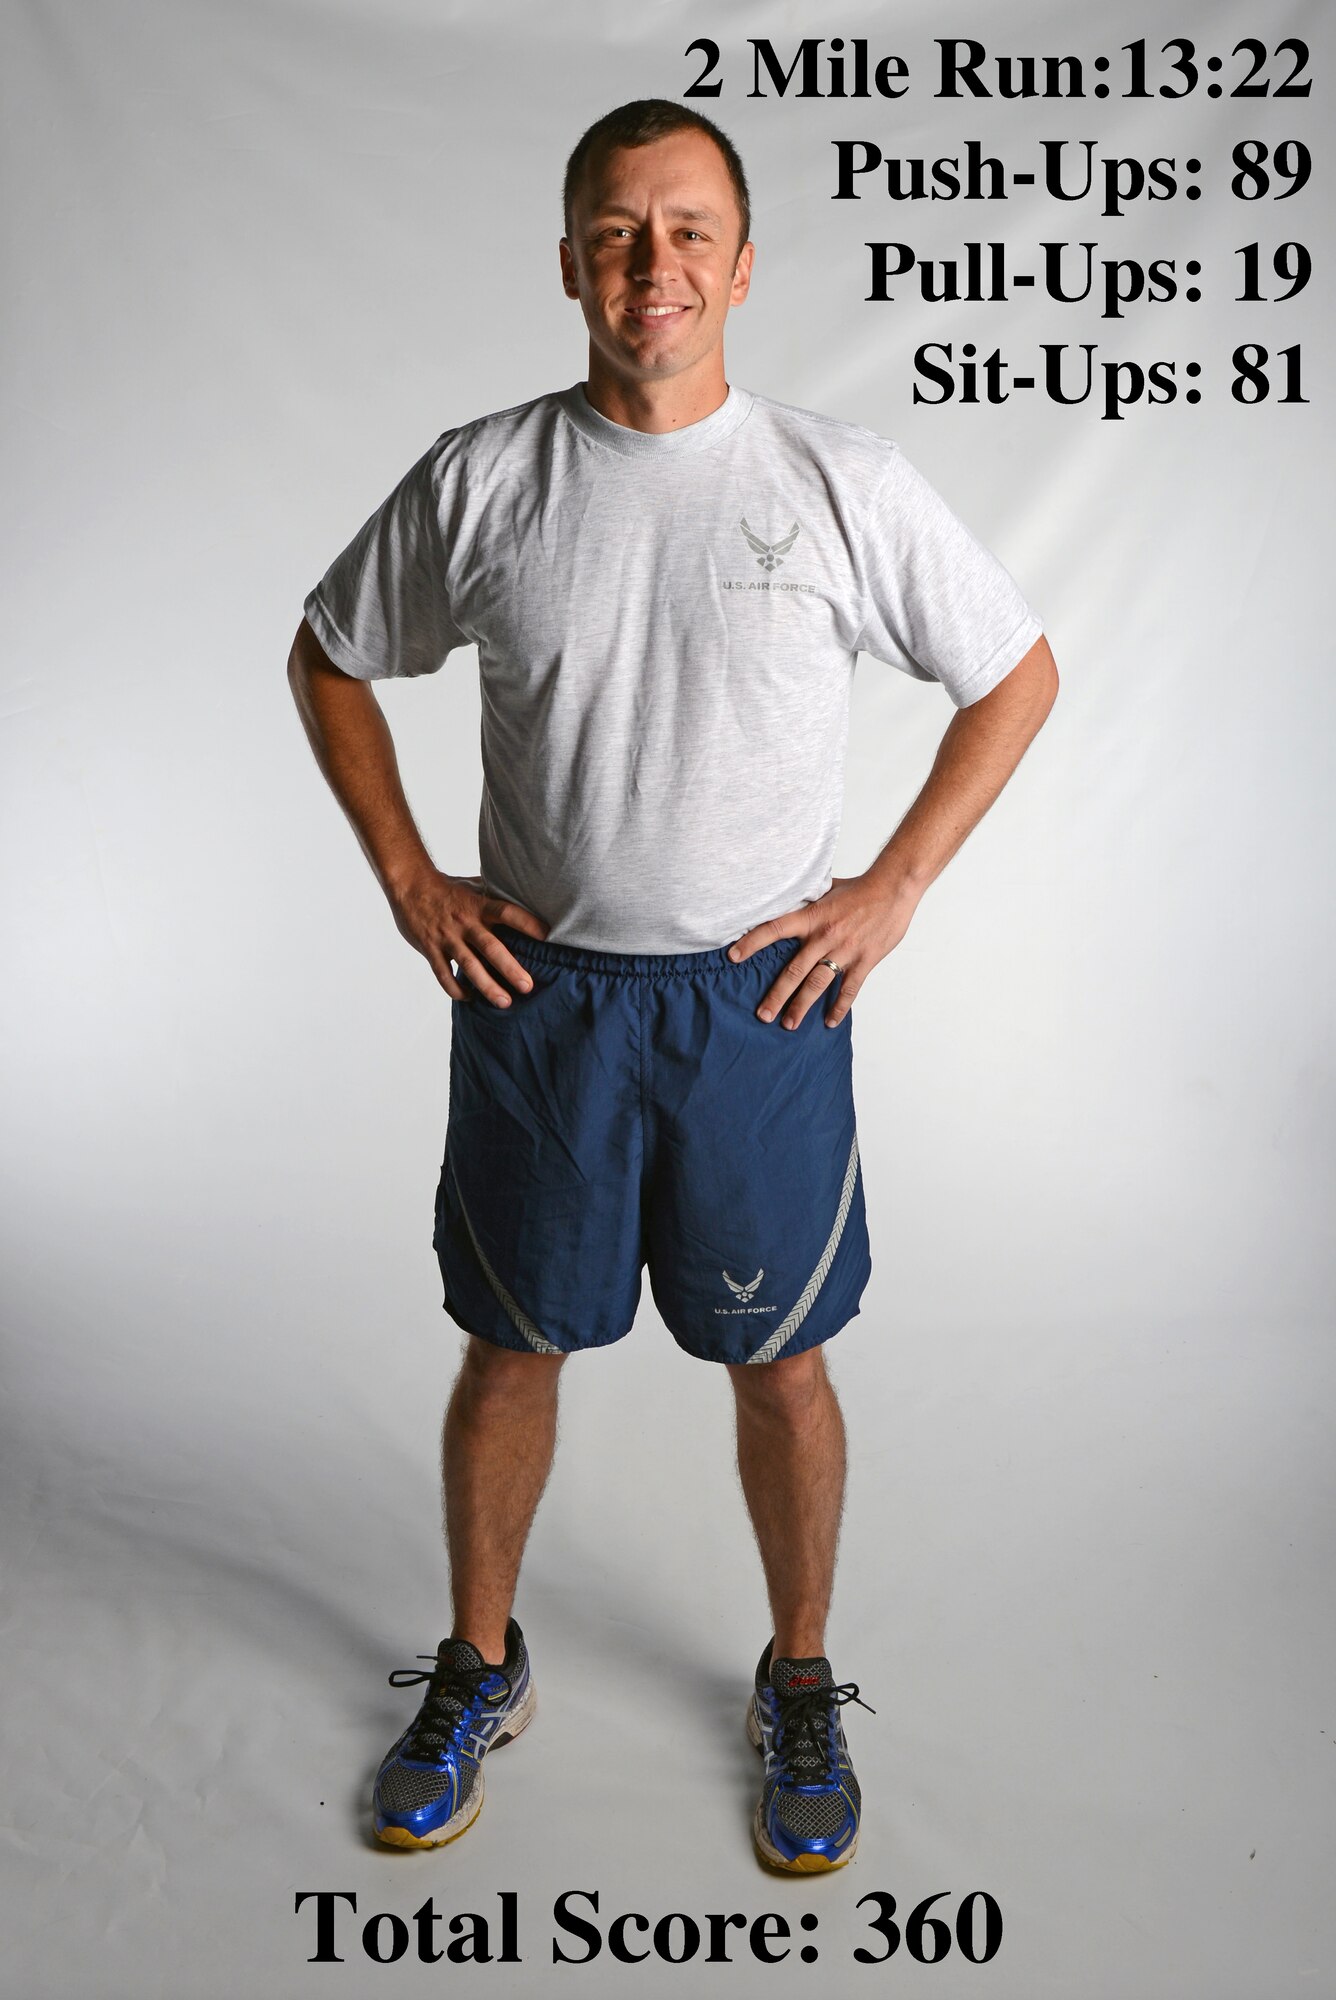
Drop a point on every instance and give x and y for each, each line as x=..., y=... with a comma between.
x=258, y=259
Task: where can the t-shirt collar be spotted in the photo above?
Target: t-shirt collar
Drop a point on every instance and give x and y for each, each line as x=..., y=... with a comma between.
x=644, y=444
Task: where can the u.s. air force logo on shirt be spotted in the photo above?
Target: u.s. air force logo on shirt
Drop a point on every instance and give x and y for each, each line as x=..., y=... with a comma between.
x=770, y=556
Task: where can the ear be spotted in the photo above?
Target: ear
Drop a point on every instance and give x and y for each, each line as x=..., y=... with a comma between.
x=568, y=278
x=742, y=274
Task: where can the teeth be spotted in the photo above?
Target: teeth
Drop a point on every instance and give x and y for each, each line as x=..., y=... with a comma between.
x=655, y=312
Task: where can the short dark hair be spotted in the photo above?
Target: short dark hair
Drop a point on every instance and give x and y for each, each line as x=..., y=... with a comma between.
x=638, y=123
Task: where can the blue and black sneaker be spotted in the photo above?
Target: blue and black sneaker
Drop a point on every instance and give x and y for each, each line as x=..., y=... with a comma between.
x=807, y=1814
x=429, y=1789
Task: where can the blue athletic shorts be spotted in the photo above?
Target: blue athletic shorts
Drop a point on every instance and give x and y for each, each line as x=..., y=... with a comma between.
x=631, y=1111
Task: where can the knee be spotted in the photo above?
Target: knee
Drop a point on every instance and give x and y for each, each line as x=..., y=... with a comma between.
x=788, y=1391
x=505, y=1376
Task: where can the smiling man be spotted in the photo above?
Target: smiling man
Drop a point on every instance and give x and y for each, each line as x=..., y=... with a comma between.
x=669, y=580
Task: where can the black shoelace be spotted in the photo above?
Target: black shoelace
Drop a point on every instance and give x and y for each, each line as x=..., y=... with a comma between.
x=451, y=1693
x=803, y=1733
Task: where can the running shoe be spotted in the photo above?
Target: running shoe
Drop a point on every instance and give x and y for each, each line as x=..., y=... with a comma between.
x=807, y=1814
x=429, y=1789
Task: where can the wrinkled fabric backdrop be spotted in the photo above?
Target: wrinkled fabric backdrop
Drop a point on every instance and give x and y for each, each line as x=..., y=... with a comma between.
x=258, y=260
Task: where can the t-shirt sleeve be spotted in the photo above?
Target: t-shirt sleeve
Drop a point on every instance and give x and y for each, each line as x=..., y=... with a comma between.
x=382, y=608
x=937, y=604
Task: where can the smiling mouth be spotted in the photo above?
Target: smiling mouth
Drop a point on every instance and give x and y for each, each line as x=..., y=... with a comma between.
x=654, y=312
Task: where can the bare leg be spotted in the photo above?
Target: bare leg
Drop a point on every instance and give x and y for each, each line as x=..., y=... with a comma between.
x=496, y=1451
x=791, y=1460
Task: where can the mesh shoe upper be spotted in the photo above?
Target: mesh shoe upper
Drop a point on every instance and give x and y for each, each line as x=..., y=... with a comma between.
x=432, y=1770
x=811, y=1798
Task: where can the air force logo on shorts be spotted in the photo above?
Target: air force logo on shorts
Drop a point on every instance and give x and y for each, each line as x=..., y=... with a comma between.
x=631, y=1111
x=743, y=1292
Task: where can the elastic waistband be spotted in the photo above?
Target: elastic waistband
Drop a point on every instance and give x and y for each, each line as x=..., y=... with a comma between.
x=628, y=965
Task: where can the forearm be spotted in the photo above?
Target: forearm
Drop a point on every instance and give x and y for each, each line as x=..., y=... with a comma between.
x=982, y=746
x=353, y=746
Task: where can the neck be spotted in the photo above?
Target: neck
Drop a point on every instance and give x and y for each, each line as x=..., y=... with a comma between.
x=657, y=406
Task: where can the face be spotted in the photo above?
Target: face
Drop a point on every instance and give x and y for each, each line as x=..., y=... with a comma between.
x=653, y=257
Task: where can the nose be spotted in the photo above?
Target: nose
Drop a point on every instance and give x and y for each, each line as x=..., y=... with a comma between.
x=652, y=256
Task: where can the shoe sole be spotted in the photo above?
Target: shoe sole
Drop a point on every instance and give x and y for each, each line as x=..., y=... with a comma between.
x=802, y=1864
x=516, y=1722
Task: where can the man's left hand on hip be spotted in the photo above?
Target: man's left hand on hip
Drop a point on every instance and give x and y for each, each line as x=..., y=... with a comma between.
x=854, y=925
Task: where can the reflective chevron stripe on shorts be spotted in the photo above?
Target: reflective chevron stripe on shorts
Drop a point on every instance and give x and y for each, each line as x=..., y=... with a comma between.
x=516, y=1313
x=786, y=1330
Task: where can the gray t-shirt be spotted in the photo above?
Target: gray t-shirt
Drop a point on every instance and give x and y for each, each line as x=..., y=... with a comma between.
x=667, y=630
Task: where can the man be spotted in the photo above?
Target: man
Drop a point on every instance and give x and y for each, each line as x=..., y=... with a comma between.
x=668, y=580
